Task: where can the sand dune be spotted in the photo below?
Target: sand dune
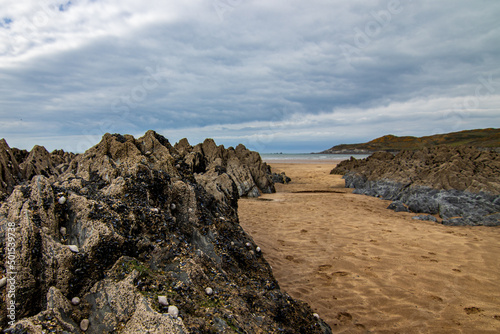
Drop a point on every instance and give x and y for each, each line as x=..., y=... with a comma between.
x=364, y=268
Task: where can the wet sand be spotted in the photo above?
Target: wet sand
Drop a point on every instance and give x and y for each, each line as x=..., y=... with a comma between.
x=366, y=269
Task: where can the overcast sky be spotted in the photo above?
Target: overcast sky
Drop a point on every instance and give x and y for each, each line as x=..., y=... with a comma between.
x=289, y=76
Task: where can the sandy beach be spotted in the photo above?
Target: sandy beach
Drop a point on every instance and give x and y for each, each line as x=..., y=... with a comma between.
x=366, y=269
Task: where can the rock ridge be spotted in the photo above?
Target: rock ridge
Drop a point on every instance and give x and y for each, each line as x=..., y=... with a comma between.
x=461, y=184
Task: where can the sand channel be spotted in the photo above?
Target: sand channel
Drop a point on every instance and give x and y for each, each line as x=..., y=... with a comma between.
x=366, y=269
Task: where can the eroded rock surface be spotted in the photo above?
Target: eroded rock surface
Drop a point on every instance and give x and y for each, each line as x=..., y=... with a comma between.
x=17, y=166
x=133, y=219
x=461, y=184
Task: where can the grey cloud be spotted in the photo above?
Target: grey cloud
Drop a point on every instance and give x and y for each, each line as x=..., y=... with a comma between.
x=262, y=73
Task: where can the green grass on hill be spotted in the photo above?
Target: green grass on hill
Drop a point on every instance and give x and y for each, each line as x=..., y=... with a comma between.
x=482, y=138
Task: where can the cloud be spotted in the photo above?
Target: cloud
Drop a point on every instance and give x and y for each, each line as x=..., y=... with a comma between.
x=281, y=75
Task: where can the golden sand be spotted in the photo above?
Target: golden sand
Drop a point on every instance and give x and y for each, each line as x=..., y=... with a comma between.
x=364, y=268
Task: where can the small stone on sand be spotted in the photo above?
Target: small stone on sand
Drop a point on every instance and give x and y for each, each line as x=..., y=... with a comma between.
x=75, y=301
x=209, y=291
x=63, y=230
x=62, y=200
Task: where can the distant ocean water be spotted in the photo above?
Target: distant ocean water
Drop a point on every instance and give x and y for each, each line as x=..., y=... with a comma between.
x=307, y=157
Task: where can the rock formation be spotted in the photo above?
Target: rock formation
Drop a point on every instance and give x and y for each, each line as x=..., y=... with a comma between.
x=461, y=184
x=10, y=174
x=101, y=235
x=17, y=166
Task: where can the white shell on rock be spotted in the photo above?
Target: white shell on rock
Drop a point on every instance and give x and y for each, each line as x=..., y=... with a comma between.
x=258, y=249
x=73, y=248
x=316, y=315
x=84, y=324
x=248, y=244
x=173, y=206
x=209, y=291
x=173, y=311
x=63, y=230
x=75, y=301
x=163, y=300
x=3, y=282
x=62, y=200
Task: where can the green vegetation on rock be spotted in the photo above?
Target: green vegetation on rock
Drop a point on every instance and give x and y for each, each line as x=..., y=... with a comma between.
x=479, y=138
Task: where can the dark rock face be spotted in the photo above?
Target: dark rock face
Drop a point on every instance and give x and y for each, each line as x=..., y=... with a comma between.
x=460, y=184
x=398, y=207
x=280, y=178
x=134, y=219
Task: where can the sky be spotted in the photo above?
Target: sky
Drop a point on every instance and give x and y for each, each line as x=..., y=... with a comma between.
x=278, y=76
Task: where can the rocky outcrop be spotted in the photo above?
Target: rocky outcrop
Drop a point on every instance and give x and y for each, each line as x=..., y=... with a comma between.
x=488, y=139
x=460, y=184
x=10, y=173
x=17, y=166
x=132, y=222
x=216, y=167
x=280, y=178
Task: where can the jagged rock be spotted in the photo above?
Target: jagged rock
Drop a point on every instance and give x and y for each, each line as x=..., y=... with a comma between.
x=426, y=217
x=280, y=178
x=173, y=311
x=460, y=184
x=118, y=155
x=145, y=225
x=440, y=167
x=17, y=166
x=10, y=173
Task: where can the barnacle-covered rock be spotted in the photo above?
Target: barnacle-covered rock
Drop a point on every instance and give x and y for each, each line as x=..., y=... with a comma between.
x=142, y=219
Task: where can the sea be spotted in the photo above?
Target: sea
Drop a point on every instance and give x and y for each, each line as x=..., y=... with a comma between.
x=308, y=157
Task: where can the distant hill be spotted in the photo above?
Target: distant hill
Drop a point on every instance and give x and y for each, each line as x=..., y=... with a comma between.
x=480, y=138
